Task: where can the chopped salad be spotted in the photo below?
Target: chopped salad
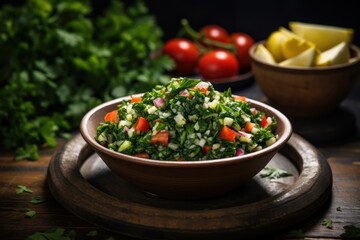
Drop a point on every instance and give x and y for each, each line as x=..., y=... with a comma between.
x=186, y=120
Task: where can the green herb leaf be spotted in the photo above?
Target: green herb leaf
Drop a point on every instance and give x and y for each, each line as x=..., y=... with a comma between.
x=23, y=189
x=274, y=173
x=54, y=234
x=36, y=200
x=70, y=39
x=92, y=234
x=296, y=234
x=327, y=223
x=29, y=152
x=30, y=213
x=351, y=232
x=338, y=209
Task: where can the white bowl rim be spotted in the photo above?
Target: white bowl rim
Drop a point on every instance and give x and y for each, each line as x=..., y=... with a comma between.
x=201, y=163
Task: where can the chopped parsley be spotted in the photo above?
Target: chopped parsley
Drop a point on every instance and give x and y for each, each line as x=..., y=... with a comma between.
x=274, y=173
x=92, y=233
x=328, y=223
x=22, y=189
x=30, y=213
x=36, y=200
x=296, y=234
x=186, y=120
x=55, y=234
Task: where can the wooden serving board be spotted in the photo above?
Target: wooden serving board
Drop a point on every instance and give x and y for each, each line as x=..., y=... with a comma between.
x=84, y=185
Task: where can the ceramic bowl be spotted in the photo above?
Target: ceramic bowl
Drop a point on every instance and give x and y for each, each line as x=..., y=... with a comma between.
x=184, y=179
x=305, y=92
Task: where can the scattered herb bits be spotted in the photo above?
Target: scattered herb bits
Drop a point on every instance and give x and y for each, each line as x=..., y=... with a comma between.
x=328, y=223
x=274, y=173
x=23, y=189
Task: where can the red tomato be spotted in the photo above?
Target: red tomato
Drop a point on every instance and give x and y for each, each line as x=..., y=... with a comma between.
x=264, y=122
x=242, y=42
x=142, y=155
x=136, y=99
x=240, y=98
x=111, y=116
x=142, y=125
x=249, y=126
x=215, y=33
x=206, y=149
x=227, y=133
x=160, y=138
x=218, y=64
x=184, y=53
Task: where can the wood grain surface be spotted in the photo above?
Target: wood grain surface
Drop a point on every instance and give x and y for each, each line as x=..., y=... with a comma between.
x=242, y=212
x=343, y=208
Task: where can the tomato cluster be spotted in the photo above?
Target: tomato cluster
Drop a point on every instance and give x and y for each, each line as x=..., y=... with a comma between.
x=211, y=52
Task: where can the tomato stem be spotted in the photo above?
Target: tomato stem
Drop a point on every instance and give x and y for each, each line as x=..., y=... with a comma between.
x=200, y=37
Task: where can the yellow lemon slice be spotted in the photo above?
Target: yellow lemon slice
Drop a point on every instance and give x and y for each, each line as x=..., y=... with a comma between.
x=335, y=55
x=273, y=44
x=304, y=59
x=294, y=45
x=323, y=36
x=263, y=54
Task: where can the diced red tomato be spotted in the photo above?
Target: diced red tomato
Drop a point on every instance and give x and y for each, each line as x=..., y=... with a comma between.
x=264, y=122
x=111, y=116
x=161, y=137
x=240, y=98
x=227, y=133
x=206, y=149
x=142, y=125
x=142, y=155
x=203, y=90
x=249, y=126
x=136, y=99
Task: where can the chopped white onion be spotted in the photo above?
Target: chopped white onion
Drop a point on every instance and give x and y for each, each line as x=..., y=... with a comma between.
x=228, y=121
x=202, y=84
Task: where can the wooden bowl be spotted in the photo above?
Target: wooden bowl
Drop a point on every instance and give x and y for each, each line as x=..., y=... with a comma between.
x=305, y=92
x=184, y=179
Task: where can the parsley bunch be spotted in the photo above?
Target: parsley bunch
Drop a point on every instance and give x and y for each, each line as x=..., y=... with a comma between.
x=58, y=59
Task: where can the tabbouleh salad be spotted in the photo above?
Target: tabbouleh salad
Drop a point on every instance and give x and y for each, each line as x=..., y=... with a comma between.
x=186, y=120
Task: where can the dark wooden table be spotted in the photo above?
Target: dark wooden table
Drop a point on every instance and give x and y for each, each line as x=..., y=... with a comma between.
x=340, y=146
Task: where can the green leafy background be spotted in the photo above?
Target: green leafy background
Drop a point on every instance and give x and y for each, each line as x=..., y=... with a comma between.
x=58, y=61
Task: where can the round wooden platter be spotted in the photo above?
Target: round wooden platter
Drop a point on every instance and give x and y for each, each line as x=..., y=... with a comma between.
x=84, y=185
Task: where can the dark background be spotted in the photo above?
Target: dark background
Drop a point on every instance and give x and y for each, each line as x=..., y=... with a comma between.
x=255, y=17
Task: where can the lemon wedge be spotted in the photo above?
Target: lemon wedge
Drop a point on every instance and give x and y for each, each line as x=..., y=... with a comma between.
x=263, y=54
x=323, y=36
x=273, y=44
x=335, y=55
x=293, y=45
x=304, y=59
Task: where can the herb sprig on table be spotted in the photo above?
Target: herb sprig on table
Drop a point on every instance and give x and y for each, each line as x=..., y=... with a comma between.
x=59, y=59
